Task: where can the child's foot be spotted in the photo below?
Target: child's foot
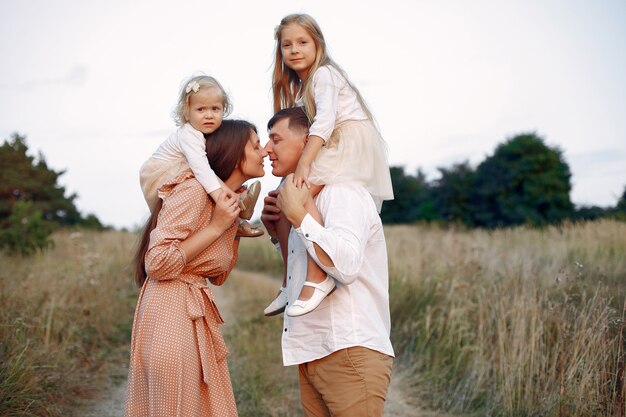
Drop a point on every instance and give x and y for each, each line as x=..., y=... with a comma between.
x=320, y=291
x=248, y=201
x=278, y=305
x=245, y=229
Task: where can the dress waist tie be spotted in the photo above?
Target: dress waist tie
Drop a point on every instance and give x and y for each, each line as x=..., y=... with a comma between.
x=198, y=297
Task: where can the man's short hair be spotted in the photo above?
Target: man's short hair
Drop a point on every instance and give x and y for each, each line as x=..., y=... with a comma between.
x=296, y=116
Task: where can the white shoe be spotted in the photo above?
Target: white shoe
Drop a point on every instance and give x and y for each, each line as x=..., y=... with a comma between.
x=320, y=292
x=278, y=305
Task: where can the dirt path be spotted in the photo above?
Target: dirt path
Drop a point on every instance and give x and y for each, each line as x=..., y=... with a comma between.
x=111, y=403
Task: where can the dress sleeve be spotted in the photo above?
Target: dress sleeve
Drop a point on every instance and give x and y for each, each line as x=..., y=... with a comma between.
x=326, y=86
x=193, y=146
x=178, y=219
x=221, y=278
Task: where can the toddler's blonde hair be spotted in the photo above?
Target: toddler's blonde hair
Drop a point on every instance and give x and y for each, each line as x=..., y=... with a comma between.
x=204, y=82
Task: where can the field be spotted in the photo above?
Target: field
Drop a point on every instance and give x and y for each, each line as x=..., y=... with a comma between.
x=65, y=321
x=517, y=322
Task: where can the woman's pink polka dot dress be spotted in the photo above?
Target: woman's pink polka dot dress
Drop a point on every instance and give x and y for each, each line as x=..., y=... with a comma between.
x=178, y=357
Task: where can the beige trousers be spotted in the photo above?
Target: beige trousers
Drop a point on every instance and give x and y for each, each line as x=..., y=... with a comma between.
x=351, y=382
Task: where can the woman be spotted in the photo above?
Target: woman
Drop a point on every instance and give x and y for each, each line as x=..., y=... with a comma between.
x=178, y=357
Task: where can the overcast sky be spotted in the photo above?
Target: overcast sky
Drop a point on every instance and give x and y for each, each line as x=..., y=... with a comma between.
x=92, y=84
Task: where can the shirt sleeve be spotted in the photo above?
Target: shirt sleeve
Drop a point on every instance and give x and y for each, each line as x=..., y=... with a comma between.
x=178, y=218
x=326, y=86
x=344, y=235
x=193, y=146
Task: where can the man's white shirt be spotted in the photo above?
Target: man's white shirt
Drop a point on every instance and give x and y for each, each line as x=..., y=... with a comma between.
x=357, y=312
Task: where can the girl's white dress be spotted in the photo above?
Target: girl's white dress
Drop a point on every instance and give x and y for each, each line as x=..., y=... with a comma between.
x=183, y=149
x=354, y=150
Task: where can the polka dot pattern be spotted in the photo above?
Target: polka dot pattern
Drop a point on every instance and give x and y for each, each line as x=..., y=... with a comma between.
x=178, y=356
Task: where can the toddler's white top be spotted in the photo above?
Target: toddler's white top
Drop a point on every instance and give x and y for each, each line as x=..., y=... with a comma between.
x=189, y=143
x=335, y=102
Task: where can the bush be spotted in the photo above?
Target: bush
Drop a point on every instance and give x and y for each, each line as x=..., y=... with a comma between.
x=27, y=231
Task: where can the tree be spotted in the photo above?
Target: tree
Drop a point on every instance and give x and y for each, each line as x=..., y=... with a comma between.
x=591, y=213
x=412, y=199
x=524, y=181
x=25, y=178
x=453, y=193
x=619, y=212
x=621, y=203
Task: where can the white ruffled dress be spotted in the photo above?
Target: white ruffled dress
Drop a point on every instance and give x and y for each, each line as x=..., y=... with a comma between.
x=354, y=151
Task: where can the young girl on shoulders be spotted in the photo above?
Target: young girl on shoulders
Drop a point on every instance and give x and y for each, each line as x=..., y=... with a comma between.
x=344, y=145
x=202, y=105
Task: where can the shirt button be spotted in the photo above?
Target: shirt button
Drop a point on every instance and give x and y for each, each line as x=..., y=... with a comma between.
x=289, y=276
x=306, y=235
x=285, y=329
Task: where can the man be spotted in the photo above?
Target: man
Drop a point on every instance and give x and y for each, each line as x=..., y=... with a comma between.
x=342, y=348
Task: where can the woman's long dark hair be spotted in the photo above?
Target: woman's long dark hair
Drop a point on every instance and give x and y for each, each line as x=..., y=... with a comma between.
x=225, y=149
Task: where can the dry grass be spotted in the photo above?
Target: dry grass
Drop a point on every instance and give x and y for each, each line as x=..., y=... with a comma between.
x=514, y=322
x=517, y=322
x=64, y=319
x=263, y=386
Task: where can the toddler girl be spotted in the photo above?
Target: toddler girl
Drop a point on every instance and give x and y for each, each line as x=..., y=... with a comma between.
x=202, y=104
x=343, y=144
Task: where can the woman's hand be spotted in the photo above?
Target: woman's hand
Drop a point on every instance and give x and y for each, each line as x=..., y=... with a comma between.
x=226, y=211
x=229, y=193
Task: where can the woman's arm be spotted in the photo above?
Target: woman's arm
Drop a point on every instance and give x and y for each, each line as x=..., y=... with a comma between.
x=224, y=214
x=175, y=240
x=221, y=278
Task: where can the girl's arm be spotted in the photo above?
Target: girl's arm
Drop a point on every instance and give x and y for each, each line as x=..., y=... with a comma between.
x=326, y=86
x=311, y=149
x=193, y=146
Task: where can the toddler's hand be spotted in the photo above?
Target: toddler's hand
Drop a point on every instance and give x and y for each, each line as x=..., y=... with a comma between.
x=301, y=176
x=226, y=211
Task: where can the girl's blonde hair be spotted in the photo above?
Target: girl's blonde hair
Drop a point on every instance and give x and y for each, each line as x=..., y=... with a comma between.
x=286, y=84
x=193, y=85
